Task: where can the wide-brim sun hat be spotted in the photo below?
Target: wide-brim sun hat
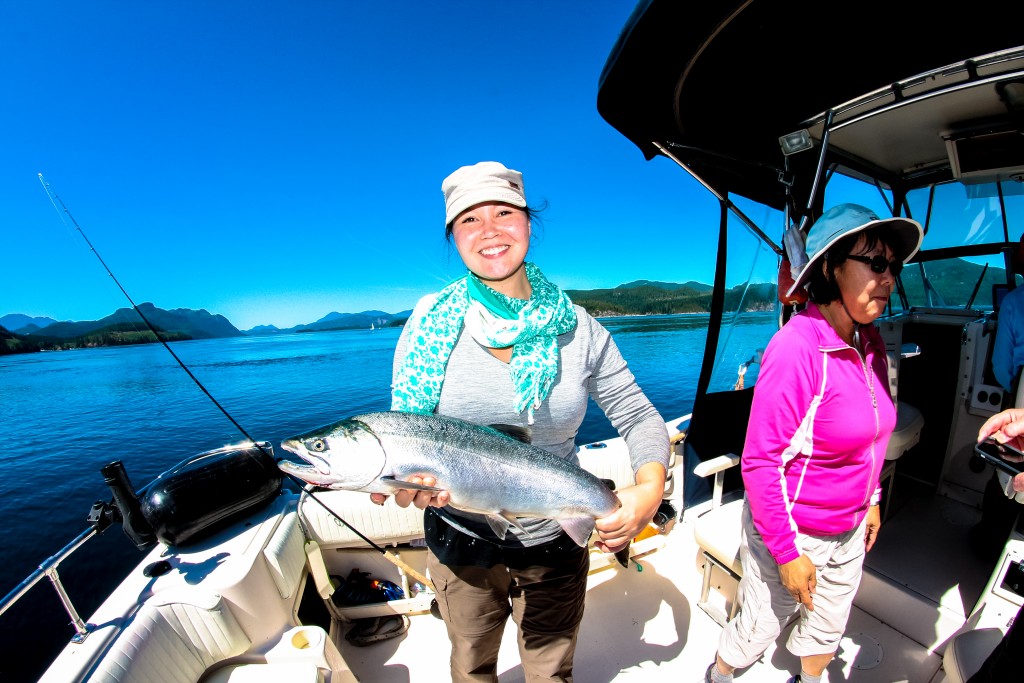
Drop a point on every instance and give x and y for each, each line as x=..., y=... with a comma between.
x=487, y=181
x=842, y=220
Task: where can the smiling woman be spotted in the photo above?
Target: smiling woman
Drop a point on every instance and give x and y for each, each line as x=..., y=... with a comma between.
x=487, y=217
x=504, y=345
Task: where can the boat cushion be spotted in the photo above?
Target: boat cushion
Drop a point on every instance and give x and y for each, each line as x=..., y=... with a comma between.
x=266, y=673
x=967, y=652
x=907, y=433
x=285, y=556
x=172, y=643
x=718, y=531
x=386, y=524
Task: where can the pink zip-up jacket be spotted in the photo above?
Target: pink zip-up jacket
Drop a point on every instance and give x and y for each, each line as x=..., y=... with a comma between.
x=819, y=425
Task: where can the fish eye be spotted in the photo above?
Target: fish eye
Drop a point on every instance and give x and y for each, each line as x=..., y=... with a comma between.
x=319, y=445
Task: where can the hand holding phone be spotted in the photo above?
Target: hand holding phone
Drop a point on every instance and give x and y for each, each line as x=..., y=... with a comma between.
x=1003, y=456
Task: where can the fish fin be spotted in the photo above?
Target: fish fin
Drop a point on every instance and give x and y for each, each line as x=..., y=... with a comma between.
x=514, y=521
x=498, y=525
x=391, y=482
x=501, y=521
x=524, y=434
x=579, y=529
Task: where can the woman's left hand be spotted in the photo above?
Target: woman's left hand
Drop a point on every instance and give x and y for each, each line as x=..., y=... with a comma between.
x=874, y=523
x=639, y=503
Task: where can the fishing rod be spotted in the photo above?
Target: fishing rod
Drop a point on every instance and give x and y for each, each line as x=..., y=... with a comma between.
x=54, y=200
x=62, y=211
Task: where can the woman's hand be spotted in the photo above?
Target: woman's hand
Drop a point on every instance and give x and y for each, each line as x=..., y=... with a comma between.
x=873, y=524
x=639, y=503
x=421, y=499
x=1005, y=427
x=800, y=578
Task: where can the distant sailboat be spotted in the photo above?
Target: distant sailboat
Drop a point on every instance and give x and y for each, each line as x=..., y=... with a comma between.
x=372, y=327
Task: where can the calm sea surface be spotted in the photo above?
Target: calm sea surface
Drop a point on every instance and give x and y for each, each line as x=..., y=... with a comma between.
x=64, y=415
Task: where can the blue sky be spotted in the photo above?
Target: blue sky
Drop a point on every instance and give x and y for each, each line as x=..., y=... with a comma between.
x=277, y=161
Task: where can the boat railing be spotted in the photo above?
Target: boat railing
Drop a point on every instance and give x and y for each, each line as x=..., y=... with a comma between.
x=48, y=569
x=124, y=509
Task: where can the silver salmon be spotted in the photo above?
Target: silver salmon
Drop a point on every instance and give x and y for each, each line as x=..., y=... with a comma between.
x=485, y=469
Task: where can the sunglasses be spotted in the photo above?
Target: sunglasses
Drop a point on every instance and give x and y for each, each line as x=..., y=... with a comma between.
x=879, y=263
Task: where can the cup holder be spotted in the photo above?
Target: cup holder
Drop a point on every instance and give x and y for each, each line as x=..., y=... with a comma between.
x=306, y=638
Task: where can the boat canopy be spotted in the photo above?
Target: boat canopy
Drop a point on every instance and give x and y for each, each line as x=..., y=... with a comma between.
x=715, y=85
x=902, y=106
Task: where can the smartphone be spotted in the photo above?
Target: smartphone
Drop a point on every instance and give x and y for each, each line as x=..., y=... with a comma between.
x=1002, y=455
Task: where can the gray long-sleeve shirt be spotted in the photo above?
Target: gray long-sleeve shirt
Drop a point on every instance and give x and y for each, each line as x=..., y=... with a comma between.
x=478, y=388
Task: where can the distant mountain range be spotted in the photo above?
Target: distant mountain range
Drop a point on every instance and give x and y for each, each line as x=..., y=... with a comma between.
x=338, y=321
x=20, y=333
x=646, y=297
x=194, y=324
x=23, y=324
x=954, y=283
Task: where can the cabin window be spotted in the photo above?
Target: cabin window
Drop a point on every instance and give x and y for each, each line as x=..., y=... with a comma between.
x=751, y=313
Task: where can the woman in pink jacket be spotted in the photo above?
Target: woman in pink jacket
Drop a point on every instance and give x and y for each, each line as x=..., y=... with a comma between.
x=819, y=425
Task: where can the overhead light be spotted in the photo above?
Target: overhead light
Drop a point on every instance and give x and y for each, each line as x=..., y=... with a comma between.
x=1012, y=95
x=796, y=142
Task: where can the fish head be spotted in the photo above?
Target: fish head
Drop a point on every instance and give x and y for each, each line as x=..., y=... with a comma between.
x=344, y=455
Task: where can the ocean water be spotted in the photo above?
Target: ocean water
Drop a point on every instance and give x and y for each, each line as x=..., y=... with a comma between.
x=64, y=415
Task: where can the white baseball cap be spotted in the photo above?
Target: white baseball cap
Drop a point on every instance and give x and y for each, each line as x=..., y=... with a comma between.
x=487, y=181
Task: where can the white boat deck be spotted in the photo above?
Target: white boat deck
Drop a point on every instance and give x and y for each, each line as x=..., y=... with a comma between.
x=646, y=625
x=641, y=622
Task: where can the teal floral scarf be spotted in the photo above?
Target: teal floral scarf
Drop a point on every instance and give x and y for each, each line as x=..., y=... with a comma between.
x=530, y=327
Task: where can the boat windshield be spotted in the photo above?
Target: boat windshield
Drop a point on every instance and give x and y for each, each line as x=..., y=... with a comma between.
x=970, y=231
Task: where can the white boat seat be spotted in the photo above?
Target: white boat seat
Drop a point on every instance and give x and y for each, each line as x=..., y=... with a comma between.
x=267, y=673
x=714, y=532
x=172, y=643
x=610, y=460
x=717, y=533
x=906, y=435
x=304, y=654
x=284, y=556
x=177, y=642
x=385, y=525
x=967, y=651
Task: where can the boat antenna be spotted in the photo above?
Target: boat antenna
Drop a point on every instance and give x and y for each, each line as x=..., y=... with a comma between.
x=62, y=211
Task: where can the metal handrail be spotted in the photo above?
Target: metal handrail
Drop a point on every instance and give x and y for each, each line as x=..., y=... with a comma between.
x=49, y=569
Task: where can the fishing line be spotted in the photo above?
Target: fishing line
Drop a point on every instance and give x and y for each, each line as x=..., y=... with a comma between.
x=63, y=211
x=55, y=200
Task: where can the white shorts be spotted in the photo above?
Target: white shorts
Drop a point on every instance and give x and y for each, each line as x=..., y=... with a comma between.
x=766, y=606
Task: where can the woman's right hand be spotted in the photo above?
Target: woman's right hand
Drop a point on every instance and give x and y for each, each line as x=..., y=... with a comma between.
x=421, y=499
x=800, y=578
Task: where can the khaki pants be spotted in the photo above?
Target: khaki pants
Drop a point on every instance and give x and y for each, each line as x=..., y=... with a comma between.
x=546, y=603
x=766, y=605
